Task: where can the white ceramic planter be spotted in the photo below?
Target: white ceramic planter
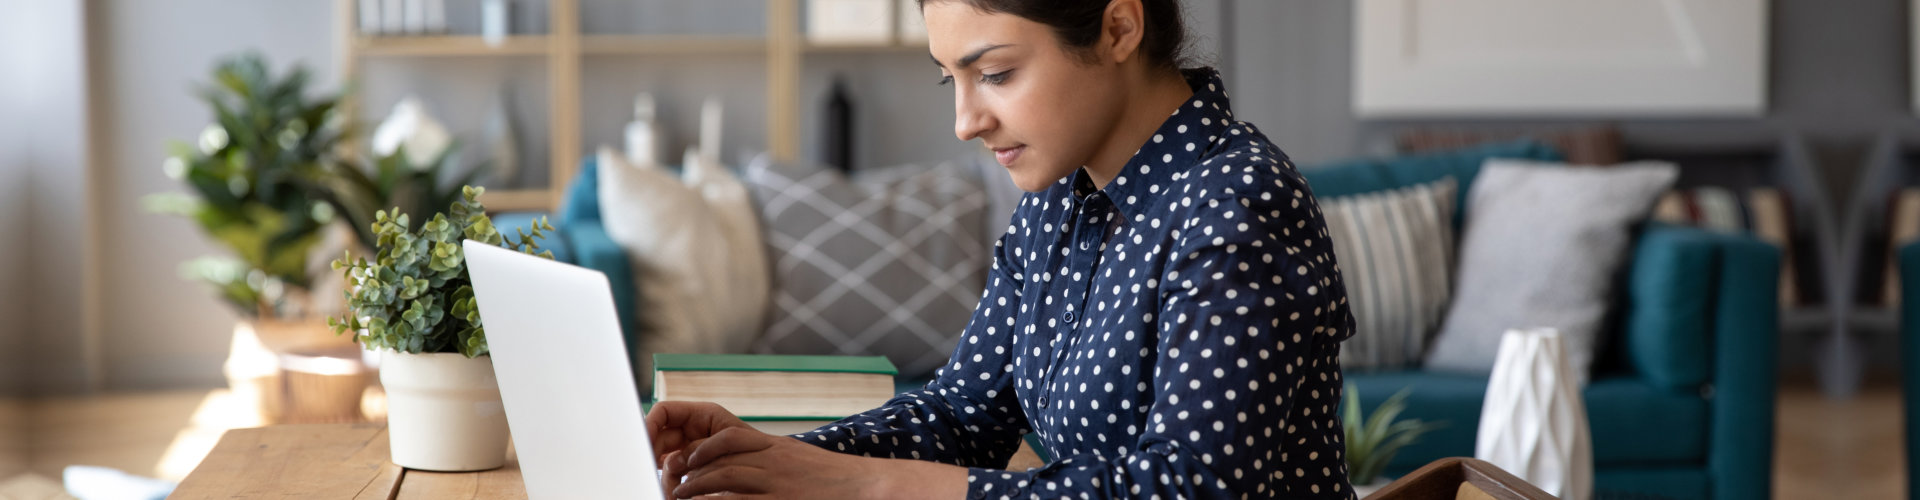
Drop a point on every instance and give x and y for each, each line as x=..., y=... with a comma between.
x=444, y=412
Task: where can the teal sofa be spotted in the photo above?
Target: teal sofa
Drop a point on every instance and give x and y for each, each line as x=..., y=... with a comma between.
x=1681, y=401
x=1909, y=262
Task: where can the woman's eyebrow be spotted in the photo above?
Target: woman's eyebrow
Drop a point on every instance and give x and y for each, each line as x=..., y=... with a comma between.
x=971, y=57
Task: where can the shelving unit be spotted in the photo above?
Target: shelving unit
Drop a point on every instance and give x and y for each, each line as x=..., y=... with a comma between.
x=562, y=48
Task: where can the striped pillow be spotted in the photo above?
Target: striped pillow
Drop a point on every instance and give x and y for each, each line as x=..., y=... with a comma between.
x=1396, y=254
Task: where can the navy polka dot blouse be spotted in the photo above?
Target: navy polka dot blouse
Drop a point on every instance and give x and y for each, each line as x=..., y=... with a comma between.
x=1175, y=334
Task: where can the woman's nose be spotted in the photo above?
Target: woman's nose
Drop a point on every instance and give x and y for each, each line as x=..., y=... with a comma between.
x=969, y=120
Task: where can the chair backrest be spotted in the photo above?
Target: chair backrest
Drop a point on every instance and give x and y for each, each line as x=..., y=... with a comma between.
x=1460, y=478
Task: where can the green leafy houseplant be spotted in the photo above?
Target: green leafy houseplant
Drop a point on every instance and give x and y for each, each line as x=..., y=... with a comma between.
x=252, y=178
x=415, y=296
x=1373, y=441
x=358, y=193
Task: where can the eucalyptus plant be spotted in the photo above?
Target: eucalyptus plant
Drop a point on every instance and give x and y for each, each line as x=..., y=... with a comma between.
x=252, y=182
x=416, y=296
x=1372, y=441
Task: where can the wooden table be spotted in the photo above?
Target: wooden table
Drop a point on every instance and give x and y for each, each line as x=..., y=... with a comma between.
x=350, y=461
x=331, y=461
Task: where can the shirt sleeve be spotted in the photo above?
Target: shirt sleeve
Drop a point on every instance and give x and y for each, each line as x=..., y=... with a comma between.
x=968, y=415
x=1244, y=318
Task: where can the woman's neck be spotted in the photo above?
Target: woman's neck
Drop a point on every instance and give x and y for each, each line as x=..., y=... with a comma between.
x=1141, y=117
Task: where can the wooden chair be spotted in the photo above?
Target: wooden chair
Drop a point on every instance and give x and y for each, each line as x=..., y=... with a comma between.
x=1460, y=478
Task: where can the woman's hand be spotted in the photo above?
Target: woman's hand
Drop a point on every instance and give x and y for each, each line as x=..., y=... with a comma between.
x=743, y=461
x=675, y=427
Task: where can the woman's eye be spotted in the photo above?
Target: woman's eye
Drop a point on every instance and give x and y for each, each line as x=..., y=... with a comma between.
x=946, y=79
x=994, y=78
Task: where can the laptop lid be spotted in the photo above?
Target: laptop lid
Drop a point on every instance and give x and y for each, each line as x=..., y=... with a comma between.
x=564, y=376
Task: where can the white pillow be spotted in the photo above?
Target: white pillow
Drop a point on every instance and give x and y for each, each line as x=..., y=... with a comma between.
x=740, y=293
x=669, y=235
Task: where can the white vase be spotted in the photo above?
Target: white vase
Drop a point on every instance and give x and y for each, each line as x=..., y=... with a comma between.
x=1534, y=423
x=444, y=412
x=503, y=148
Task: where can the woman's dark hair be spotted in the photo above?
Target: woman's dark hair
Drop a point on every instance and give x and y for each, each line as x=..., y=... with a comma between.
x=1077, y=24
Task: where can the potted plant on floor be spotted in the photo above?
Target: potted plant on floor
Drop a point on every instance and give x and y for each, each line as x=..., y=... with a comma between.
x=1372, y=441
x=414, y=303
x=251, y=181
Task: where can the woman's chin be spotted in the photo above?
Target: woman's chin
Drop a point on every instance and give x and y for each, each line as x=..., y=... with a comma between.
x=1031, y=179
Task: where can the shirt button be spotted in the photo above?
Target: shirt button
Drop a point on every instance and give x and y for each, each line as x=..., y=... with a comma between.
x=1068, y=316
x=1083, y=245
x=1043, y=402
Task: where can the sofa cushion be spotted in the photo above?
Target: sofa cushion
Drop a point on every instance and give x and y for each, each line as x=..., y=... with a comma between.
x=1632, y=421
x=1540, y=250
x=1670, y=307
x=1365, y=175
x=889, y=262
x=675, y=246
x=1395, y=251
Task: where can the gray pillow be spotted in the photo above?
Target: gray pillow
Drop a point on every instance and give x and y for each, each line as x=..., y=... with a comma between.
x=887, y=263
x=1540, y=248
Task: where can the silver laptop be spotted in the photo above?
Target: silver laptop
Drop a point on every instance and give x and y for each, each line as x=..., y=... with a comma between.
x=564, y=376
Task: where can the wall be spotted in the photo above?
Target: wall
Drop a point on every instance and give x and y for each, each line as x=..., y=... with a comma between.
x=42, y=163
x=42, y=194
x=15, y=162
x=61, y=320
x=1836, y=75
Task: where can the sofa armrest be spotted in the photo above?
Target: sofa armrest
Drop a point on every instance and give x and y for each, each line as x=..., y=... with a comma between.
x=1670, y=291
x=593, y=249
x=1746, y=337
x=1909, y=264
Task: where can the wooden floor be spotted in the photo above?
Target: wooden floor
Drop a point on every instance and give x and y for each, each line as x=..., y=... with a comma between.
x=1827, y=449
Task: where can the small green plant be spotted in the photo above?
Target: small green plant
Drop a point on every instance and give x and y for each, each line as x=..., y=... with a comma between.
x=1373, y=441
x=415, y=296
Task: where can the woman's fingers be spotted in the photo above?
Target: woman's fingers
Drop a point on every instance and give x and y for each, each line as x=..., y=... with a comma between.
x=731, y=478
x=672, y=467
x=727, y=442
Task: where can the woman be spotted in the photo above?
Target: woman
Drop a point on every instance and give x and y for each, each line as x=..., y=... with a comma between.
x=1164, y=311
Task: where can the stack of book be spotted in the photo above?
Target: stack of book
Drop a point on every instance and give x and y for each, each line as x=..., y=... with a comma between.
x=777, y=394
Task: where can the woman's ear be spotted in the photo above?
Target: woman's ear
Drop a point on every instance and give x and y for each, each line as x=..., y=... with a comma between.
x=1122, y=27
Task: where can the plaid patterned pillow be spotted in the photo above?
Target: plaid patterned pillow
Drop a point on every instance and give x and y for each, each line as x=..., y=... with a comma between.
x=890, y=262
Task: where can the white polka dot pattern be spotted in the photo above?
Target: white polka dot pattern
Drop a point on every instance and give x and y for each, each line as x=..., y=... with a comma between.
x=1173, y=335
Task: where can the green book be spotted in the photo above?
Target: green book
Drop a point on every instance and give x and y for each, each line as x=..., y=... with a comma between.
x=773, y=363
x=774, y=388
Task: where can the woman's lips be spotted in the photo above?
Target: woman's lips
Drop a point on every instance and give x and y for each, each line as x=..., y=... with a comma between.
x=1006, y=156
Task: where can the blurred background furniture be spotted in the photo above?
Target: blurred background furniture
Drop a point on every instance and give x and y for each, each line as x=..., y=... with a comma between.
x=1886, y=271
x=1682, y=392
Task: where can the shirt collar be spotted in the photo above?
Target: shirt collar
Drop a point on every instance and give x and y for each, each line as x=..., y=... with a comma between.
x=1201, y=121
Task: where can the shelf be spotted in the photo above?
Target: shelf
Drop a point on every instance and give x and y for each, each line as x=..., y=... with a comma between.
x=522, y=45
x=671, y=44
x=863, y=47
x=517, y=200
